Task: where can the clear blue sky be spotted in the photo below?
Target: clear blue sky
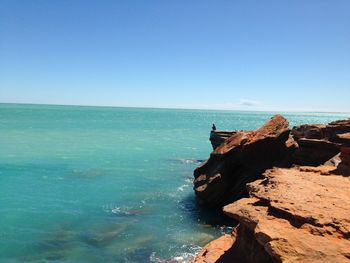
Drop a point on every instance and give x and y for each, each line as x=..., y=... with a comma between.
x=258, y=55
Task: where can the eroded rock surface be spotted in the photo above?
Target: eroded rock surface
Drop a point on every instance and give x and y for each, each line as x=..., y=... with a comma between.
x=241, y=159
x=216, y=249
x=293, y=215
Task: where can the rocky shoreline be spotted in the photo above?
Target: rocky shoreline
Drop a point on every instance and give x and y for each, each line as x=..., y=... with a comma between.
x=289, y=189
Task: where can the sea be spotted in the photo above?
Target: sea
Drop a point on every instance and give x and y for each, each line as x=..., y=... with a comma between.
x=109, y=184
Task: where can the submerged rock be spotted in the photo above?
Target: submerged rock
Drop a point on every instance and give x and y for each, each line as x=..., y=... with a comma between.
x=104, y=235
x=241, y=159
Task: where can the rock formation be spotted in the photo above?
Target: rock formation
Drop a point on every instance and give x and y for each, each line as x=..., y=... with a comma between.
x=218, y=137
x=291, y=214
x=222, y=178
x=216, y=249
x=318, y=143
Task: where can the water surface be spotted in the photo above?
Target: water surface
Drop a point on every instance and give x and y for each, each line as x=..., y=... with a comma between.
x=99, y=184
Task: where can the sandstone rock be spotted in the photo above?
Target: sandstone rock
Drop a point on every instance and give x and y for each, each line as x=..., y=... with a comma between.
x=214, y=250
x=296, y=215
x=218, y=137
x=343, y=167
x=241, y=159
x=317, y=143
x=337, y=127
x=314, y=151
x=299, y=214
x=309, y=131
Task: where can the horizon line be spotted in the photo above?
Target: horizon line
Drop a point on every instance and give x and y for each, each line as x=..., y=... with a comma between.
x=172, y=108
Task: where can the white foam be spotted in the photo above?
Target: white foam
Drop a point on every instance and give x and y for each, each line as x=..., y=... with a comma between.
x=182, y=258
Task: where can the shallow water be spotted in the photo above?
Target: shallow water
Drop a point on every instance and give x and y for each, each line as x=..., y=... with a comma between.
x=99, y=184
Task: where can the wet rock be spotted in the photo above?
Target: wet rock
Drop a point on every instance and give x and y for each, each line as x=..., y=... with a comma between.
x=139, y=243
x=242, y=158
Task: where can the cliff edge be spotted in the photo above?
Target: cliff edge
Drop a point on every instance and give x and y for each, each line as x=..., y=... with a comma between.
x=298, y=208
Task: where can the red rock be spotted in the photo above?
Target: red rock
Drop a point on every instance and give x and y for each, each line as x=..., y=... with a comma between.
x=213, y=251
x=318, y=142
x=298, y=214
x=241, y=159
x=295, y=216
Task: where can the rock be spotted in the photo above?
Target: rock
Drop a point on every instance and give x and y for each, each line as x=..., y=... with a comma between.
x=293, y=215
x=343, y=167
x=317, y=143
x=215, y=249
x=334, y=161
x=345, y=156
x=343, y=138
x=337, y=127
x=242, y=158
x=298, y=214
x=218, y=137
x=314, y=151
x=103, y=235
x=309, y=131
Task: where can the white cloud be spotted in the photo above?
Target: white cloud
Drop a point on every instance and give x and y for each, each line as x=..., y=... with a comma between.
x=248, y=102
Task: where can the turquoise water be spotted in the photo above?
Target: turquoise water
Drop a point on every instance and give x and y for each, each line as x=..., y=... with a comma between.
x=99, y=184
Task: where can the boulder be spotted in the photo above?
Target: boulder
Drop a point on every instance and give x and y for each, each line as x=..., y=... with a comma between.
x=241, y=159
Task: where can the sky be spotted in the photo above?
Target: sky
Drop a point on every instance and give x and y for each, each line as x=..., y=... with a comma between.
x=224, y=54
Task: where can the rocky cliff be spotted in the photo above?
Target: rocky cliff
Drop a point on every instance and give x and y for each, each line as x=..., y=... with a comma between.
x=291, y=213
x=222, y=178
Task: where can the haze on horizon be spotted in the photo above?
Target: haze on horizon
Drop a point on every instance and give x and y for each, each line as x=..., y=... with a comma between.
x=239, y=55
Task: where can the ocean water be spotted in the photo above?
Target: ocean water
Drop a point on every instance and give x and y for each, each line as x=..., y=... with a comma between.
x=100, y=184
